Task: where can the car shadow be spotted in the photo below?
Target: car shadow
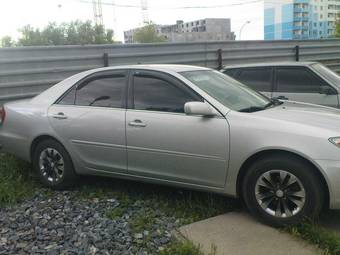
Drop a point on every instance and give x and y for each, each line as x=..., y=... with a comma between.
x=330, y=219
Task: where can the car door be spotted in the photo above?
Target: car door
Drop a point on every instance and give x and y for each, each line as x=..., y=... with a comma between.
x=302, y=84
x=90, y=118
x=165, y=143
x=257, y=78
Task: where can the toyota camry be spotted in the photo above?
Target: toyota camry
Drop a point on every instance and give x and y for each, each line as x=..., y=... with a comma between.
x=190, y=127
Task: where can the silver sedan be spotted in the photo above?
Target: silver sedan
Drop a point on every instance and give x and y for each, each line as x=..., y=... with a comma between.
x=185, y=126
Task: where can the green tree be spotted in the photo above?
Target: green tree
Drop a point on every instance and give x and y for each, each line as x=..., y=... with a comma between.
x=337, y=26
x=54, y=34
x=147, y=34
x=7, y=41
x=30, y=36
x=72, y=33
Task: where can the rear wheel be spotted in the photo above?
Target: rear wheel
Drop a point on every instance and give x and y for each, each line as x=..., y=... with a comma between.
x=53, y=165
x=282, y=190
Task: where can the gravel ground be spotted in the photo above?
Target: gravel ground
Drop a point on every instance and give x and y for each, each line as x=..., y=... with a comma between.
x=62, y=223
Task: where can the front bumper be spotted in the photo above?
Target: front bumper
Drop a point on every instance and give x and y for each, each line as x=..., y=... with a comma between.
x=331, y=171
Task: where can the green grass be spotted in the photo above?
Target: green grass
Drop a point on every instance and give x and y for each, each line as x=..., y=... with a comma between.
x=16, y=182
x=115, y=213
x=144, y=220
x=328, y=241
x=185, y=248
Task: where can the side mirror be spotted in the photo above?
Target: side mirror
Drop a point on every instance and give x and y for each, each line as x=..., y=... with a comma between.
x=199, y=108
x=327, y=90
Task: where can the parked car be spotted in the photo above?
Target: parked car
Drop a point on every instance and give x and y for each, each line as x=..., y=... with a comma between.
x=309, y=82
x=185, y=126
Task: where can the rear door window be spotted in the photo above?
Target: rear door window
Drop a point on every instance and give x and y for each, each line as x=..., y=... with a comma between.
x=105, y=90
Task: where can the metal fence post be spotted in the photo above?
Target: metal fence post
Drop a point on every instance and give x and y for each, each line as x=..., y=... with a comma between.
x=220, y=59
x=106, y=59
x=297, y=53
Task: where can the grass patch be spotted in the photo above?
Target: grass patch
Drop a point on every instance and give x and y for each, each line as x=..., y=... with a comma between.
x=185, y=248
x=143, y=221
x=326, y=240
x=115, y=213
x=16, y=182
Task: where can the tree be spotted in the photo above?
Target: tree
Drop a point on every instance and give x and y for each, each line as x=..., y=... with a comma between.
x=337, y=26
x=7, y=41
x=73, y=33
x=147, y=34
x=30, y=36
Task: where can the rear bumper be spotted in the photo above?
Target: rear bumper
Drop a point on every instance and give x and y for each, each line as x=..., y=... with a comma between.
x=15, y=145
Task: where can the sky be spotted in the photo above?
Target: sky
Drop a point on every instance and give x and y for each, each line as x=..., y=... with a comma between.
x=38, y=13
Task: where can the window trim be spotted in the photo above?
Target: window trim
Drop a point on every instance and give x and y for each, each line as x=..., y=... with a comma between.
x=162, y=76
x=271, y=85
x=321, y=80
x=94, y=76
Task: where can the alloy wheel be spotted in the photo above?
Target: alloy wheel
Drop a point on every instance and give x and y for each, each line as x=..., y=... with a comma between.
x=280, y=193
x=51, y=165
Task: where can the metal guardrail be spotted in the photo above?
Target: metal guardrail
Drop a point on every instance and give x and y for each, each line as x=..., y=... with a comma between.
x=26, y=71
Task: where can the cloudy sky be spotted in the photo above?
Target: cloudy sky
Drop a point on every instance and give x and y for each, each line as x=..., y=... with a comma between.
x=17, y=13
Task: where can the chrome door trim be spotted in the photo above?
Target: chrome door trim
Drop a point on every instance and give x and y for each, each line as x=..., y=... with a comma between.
x=177, y=153
x=107, y=145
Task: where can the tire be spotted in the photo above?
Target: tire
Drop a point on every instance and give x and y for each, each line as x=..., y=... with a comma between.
x=53, y=165
x=292, y=194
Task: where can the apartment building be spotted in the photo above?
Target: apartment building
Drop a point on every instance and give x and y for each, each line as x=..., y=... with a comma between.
x=300, y=19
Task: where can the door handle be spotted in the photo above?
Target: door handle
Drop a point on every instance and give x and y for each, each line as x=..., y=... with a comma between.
x=282, y=98
x=137, y=123
x=59, y=116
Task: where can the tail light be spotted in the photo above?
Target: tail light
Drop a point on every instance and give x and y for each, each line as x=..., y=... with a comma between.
x=2, y=114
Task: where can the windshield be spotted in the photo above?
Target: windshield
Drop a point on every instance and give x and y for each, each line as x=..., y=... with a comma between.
x=227, y=91
x=327, y=73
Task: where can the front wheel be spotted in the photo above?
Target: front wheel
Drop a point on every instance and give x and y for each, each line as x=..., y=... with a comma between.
x=53, y=165
x=282, y=190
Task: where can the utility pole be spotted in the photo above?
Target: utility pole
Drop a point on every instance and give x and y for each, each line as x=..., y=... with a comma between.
x=145, y=14
x=114, y=16
x=97, y=12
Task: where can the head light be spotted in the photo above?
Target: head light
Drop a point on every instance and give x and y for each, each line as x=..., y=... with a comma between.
x=335, y=141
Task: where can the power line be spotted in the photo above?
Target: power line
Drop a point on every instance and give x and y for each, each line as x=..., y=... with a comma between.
x=177, y=8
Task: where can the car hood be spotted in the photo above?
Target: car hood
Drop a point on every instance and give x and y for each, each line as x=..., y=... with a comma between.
x=305, y=114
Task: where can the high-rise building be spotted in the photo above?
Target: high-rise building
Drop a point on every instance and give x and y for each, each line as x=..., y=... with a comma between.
x=300, y=19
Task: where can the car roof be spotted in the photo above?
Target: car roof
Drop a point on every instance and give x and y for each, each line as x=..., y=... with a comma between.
x=291, y=63
x=156, y=67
